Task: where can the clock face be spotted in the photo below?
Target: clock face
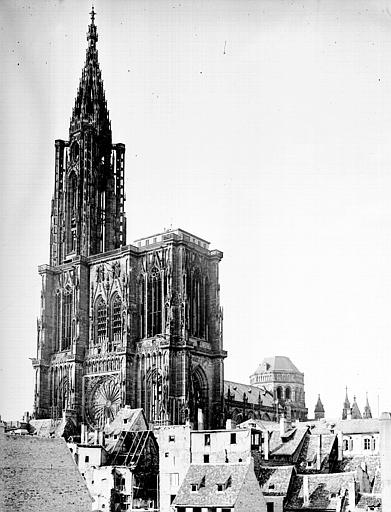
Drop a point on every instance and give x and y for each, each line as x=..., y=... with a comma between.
x=104, y=402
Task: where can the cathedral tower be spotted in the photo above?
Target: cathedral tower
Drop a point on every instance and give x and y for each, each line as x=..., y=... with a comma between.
x=137, y=325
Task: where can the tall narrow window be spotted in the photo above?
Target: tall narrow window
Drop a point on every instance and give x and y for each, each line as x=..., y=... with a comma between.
x=66, y=320
x=154, y=304
x=58, y=322
x=116, y=327
x=142, y=307
x=101, y=320
x=72, y=208
x=197, y=303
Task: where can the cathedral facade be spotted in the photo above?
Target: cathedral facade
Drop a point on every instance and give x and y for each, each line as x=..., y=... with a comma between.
x=137, y=325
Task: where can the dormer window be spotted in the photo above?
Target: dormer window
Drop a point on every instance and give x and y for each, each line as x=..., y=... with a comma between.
x=222, y=487
x=197, y=486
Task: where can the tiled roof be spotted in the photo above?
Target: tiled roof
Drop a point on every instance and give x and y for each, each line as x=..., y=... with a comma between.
x=211, y=475
x=260, y=424
x=371, y=462
x=360, y=426
x=289, y=443
x=126, y=420
x=276, y=364
x=324, y=490
x=53, y=428
x=39, y=475
x=365, y=501
x=237, y=390
x=275, y=480
x=310, y=449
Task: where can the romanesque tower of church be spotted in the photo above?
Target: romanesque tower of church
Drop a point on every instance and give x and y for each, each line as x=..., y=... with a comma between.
x=136, y=325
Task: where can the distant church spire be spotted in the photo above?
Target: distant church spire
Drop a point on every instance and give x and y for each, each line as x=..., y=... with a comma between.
x=367, y=409
x=346, y=406
x=319, y=409
x=356, y=414
x=88, y=204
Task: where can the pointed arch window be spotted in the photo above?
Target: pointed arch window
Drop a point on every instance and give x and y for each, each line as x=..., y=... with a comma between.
x=101, y=320
x=154, y=303
x=58, y=321
x=142, y=307
x=197, y=305
x=116, y=324
x=66, y=319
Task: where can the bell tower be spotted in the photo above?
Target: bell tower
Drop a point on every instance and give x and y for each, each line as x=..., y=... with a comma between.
x=87, y=219
x=88, y=202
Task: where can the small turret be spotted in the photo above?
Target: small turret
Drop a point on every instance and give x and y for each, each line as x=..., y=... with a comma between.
x=367, y=409
x=346, y=406
x=319, y=409
x=356, y=414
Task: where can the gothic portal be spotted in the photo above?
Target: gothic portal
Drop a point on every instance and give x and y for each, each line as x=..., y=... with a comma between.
x=137, y=325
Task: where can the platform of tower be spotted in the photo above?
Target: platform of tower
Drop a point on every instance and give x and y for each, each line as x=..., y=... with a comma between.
x=137, y=325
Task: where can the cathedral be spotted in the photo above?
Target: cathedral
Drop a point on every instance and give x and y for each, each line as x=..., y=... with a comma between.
x=136, y=325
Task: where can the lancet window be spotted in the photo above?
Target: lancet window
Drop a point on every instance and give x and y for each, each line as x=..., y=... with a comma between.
x=197, y=305
x=116, y=325
x=66, y=320
x=101, y=320
x=154, y=303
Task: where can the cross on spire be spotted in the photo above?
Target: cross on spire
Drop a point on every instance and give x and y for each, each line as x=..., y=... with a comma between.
x=92, y=14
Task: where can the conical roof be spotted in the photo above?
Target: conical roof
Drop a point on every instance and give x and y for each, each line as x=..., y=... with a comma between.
x=319, y=406
x=367, y=410
x=356, y=414
x=276, y=363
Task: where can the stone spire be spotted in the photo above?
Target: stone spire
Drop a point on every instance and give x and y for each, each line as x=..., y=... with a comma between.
x=356, y=414
x=367, y=409
x=90, y=108
x=346, y=406
x=319, y=409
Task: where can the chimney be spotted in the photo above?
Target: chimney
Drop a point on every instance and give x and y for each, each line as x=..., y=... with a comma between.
x=265, y=435
x=283, y=426
x=318, y=452
x=385, y=459
x=306, y=493
x=26, y=417
x=349, y=414
x=340, y=445
x=83, y=434
x=230, y=424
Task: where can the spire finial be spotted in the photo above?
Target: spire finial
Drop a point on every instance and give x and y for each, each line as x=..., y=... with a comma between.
x=92, y=14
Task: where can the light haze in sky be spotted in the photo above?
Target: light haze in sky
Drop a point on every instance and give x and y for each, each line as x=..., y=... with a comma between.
x=261, y=126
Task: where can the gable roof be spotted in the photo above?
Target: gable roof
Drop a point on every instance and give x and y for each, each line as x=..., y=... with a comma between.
x=39, y=475
x=311, y=447
x=126, y=420
x=288, y=445
x=324, y=490
x=63, y=427
x=237, y=390
x=275, y=480
x=211, y=475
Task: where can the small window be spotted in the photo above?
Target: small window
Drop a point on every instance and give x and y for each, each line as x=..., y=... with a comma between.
x=207, y=440
x=194, y=487
x=206, y=458
x=226, y=510
x=269, y=506
x=139, y=244
x=155, y=240
x=174, y=479
x=172, y=498
x=197, y=509
x=86, y=458
x=146, y=242
x=181, y=509
x=233, y=438
x=345, y=445
x=220, y=487
x=171, y=439
x=166, y=454
x=71, y=450
x=367, y=444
